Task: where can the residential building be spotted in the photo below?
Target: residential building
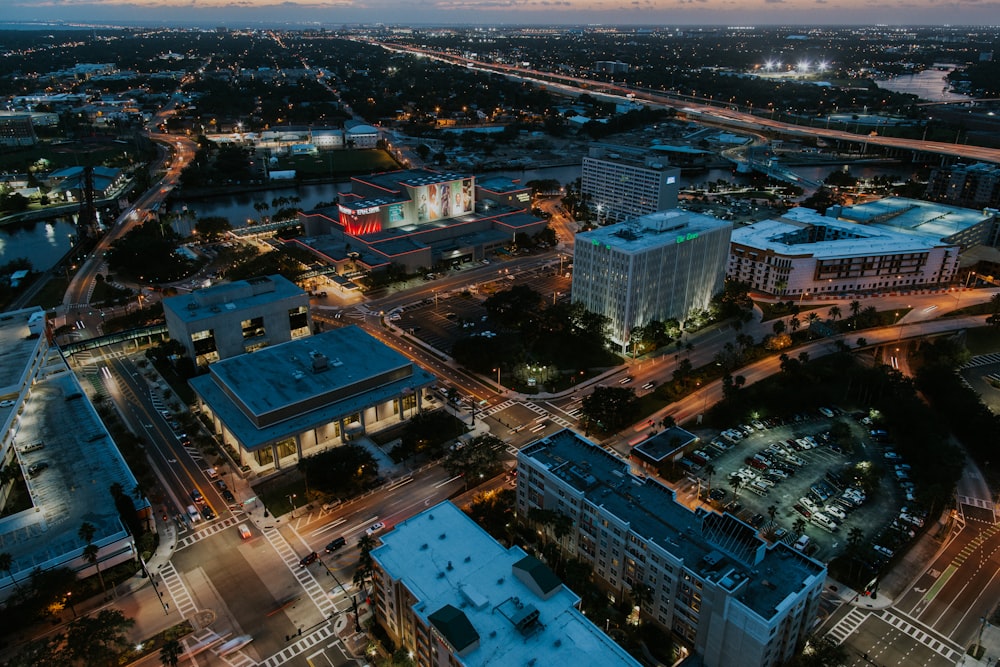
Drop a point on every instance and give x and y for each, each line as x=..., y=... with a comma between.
x=56, y=447
x=804, y=253
x=16, y=129
x=622, y=182
x=229, y=319
x=416, y=219
x=714, y=582
x=611, y=66
x=287, y=401
x=453, y=596
x=964, y=227
x=975, y=186
x=659, y=266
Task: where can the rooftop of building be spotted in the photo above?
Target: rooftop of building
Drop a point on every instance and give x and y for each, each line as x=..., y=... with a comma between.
x=665, y=443
x=718, y=547
x=468, y=587
x=228, y=297
x=500, y=185
x=795, y=234
x=977, y=167
x=392, y=181
x=915, y=216
x=645, y=232
x=83, y=462
x=285, y=389
x=17, y=344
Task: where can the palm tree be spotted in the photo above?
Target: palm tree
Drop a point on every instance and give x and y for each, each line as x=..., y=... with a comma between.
x=709, y=471
x=170, y=653
x=7, y=565
x=855, y=307
x=834, y=312
x=794, y=323
x=854, y=537
x=778, y=327
x=772, y=511
x=799, y=526
x=812, y=318
x=86, y=533
x=735, y=483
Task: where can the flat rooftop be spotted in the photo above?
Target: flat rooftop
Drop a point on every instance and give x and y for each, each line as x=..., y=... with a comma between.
x=665, y=443
x=392, y=180
x=16, y=348
x=914, y=216
x=500, y=185
x=788, y=235
x=83, y=462
x=719, y=547
x=281, y=390
x=450, y=563
x=653, y=231
x=238, y=295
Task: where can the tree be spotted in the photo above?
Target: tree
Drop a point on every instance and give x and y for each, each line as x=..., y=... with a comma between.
x=854, y=537
x=855, y=307
x=994, y=318
x=735, y=483
x=611, y=407
x=86, y=533
x=211, y=228
x=778, y=327
x=6, y=565
x=794, y=323
x=98, y=639
x=834, y=312
x=476, y=460
x=170, y=653
x=772, y=511
x=709, y=471
x=366, y=566
x=799, y=526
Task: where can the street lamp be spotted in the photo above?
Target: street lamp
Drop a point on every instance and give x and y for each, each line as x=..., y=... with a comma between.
x=291, y=501
x=499, y=386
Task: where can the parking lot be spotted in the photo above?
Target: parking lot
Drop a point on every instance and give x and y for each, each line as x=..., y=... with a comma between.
x=781, y=473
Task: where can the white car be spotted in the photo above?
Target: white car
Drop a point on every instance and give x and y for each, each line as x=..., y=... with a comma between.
x=835, y=512
x=375, y=528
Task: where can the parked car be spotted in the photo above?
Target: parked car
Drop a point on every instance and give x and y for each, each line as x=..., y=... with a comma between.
x=197, y=497
x=36, y=468
x=208, y=513
x=228, y=496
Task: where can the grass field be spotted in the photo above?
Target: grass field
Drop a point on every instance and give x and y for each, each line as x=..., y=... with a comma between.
x=338, y=163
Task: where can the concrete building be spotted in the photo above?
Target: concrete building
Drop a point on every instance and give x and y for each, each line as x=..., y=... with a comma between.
x=308, y=395
x=715, y=583
x=975, y=186
x=17, y=129
x=625, y=182
x=229, y=319
x=417, y=219
x=453, y=596
x=657, y=267
x=804, y=253
x=58, y=449
x=964, y=227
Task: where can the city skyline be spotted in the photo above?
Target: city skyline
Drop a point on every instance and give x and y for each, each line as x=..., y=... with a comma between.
x=332, y=13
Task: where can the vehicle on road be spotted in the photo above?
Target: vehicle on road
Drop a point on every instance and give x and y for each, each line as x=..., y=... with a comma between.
x=375, y=528
x=308, y=559
x=335, y=545
x=36, y=468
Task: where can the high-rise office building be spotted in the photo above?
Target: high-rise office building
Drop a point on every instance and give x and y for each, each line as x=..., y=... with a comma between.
x=713, y=580
x=624, y=182
x=657, y=267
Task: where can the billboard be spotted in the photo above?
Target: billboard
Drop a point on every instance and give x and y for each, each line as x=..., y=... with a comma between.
x=440, y=201
x=358, y=222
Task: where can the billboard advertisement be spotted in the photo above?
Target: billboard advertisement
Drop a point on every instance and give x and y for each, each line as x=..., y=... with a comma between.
x=358, y=222
x=440, y=201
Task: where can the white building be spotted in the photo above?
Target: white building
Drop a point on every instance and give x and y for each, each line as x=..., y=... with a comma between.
x=804, y=253
x=624, y=182
x=453, y=596
x=714, y=582
x=657, y=267
x=56, y=447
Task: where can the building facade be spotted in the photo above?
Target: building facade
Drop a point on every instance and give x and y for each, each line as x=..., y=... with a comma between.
x=657, y=267
x=715, y=583
x=803, y=253
x=622, y=182
x=287, y=401
x=229, y=319
x=453, y=596
x=975, y=186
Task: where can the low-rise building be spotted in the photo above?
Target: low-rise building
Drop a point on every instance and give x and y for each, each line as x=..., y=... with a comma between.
x=712, y=580
x=229, y=319
x=804, y=253
x=964, y=227
x=56, y=447
x=453, y=596
x=308, y=395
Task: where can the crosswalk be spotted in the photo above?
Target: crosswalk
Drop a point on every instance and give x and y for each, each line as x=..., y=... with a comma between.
x=183, y=602
x=213, y=528
x=846, y=626
x=539, y=410
x=982, y=360
x=298, y=647
x=303, y=575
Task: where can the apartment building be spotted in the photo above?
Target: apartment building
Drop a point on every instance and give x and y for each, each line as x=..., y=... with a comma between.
x=453, y=596
x=657, y=267
x=715, y=583
x=976, y=185
x=623, y=182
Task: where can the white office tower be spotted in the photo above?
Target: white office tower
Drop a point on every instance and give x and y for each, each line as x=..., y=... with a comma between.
x=622, y=182
x=656, y=267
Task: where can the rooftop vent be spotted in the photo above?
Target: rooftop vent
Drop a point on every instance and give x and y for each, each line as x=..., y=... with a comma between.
x=423, y=547
x=298, y=375
x=450, y=566
x=468, y=558
x=442, y=536
x=320, y=362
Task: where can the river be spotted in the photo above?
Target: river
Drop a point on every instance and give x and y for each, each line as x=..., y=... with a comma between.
x=43, y=243
x=930, y=85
